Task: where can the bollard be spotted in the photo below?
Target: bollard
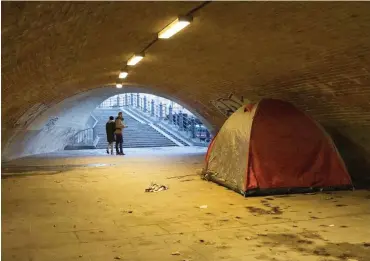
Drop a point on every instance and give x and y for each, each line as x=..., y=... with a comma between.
x=181, y=121
x=170, y=116
x=186, y=121
x=160, y=111
x=144, y=103
x=192, y=129
x=126, y=99
x=137, y=100
x=132, y=99
x=152, y=108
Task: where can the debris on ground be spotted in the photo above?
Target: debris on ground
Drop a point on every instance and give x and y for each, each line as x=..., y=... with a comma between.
x=185, y=180
x=177, y=253
x=117, y=257
x=180, y=177
x=260, y=211
x=332, y=225
x=205, y=175
x=154, y=187
x=203, y=206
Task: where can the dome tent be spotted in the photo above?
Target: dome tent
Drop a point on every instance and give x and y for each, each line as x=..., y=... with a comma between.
x=272, y=147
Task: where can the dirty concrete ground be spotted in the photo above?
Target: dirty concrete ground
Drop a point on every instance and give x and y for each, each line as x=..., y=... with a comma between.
x=88, y=206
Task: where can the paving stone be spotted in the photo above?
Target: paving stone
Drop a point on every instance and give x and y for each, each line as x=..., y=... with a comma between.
x=114, y=217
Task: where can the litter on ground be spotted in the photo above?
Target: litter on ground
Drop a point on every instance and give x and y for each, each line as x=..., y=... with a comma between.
x=154, y=187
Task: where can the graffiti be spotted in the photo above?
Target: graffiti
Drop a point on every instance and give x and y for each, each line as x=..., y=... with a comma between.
x=30, y=115
x=50, y=124
x=229, y=105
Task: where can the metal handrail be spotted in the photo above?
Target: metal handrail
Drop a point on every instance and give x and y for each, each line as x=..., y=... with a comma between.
x=96, y=121
x=183, y=121
x=86, y=136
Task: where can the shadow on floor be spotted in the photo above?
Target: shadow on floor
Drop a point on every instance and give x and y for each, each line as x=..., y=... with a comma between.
x=355, y=157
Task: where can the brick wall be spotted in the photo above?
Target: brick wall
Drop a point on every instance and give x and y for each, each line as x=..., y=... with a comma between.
x=314, y=54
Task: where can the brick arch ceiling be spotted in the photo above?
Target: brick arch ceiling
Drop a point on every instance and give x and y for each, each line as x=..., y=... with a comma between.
x=314, y=54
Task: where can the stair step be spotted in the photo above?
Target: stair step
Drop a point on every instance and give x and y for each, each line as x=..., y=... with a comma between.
x=136, y=135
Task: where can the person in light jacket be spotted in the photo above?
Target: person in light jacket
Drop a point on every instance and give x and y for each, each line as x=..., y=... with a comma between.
x=119, y=130
x=110, y=128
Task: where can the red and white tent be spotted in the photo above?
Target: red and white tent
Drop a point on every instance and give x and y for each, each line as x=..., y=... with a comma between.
x=272, y=147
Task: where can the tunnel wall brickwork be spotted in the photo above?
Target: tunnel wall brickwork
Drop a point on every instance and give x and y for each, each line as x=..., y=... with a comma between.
x=313, y=54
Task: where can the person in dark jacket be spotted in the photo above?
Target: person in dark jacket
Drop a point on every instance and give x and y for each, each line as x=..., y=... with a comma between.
x=110, y=127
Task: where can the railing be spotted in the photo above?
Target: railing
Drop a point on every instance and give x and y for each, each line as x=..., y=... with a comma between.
x=85, y=138
x=189, y=125
x=165, y=111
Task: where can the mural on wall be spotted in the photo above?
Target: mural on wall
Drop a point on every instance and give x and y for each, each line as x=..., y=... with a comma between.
x=30, y=115
x=228, y=105
x=50, y=124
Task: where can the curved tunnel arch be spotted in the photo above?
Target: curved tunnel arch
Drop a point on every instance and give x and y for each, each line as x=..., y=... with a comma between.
x=254, y=49
x=52, y=127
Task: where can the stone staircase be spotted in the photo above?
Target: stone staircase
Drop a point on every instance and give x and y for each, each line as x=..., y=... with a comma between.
x=147, y=118
x=136, y=135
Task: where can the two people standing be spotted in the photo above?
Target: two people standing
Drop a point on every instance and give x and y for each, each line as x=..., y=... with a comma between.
x=114, y=130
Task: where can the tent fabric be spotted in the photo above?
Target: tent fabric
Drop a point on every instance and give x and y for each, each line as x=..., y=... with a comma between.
x=273, y=145
x=227, y=160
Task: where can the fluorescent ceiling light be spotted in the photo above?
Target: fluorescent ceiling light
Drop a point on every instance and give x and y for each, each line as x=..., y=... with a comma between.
x=174, y=27
x=135, y=59
x=123, y=74
x=119, y=85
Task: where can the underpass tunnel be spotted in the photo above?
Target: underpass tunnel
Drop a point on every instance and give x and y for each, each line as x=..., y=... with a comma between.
x=252, y=50
x=43, y=130
x=224, y=62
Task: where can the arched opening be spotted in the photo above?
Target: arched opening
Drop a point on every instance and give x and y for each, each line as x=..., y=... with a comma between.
x=48, y=129
x=150, y=120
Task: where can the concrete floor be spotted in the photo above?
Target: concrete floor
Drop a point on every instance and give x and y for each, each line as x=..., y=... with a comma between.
x=89, y=206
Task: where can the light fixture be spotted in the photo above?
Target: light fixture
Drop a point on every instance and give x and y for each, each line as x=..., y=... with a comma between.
x=123, y=74
x=135, y=59
x=119, y=85
x=174, y=27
